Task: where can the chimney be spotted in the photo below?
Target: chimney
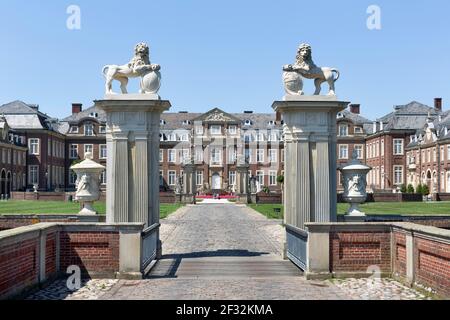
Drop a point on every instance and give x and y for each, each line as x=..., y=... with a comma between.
x=438, y=104
x=355, y=108
x=374, y=127
x=77, y=108
x=278, y=116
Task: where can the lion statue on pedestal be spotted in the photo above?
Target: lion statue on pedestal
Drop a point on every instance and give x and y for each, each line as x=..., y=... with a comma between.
x=139, y=66
x=305, y=67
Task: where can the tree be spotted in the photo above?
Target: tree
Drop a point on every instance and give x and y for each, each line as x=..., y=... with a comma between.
x=410, y=188
x=419, y=188
x=403, y=188
x=280, y=179
x=425, y=190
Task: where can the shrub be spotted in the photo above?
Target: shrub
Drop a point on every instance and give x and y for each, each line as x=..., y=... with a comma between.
x=419, y=188
x=280, y=179
x=403, y=188
x=425, y=190
x=265, y=189
x=410, y=188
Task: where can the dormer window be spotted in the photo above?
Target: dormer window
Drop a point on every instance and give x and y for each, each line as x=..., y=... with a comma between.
x=271, y=123
x=186, y=122
x=93, y=115
x=89, y=129
x=248, y=122
x=340, y=115
x=232, y=129
x=102, y=129
x=343, y=130
x=358, y=130
x=172, y=137
x=73, y=129
x=162, y=122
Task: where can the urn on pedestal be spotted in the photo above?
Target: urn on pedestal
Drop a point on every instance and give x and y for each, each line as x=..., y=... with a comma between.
x=88, y=176
x=354, y=176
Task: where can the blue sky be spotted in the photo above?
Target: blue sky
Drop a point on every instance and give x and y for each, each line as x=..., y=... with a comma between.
x=225, y=54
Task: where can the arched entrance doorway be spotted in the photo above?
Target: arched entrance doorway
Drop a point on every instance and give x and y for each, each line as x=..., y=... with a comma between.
x=216, y=181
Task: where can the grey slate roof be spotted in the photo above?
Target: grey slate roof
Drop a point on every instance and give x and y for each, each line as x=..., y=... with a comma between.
x=20, y=115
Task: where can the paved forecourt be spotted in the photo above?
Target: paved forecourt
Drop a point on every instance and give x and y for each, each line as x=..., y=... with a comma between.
x=222, y=251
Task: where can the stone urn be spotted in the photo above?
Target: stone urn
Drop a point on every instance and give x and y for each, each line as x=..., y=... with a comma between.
x=88, y=180
x=354, y=175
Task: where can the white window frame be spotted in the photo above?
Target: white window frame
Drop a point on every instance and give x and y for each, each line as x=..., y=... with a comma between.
x=171, y=155
x=72, y=177
x=161, y=155
x=215, y=129
x=395, y=181
x=102, y=129
x=32, y=175
x=86, y=147
x=199, y=178
x=345, y=126
x=216, y=155
x=342, y=147
x=358, y=130
x=272, y=178
x=71, y=155
x=174, y=177
x=86, y=125
x=232, y=129
x=361, y=148
x=260, y=155
x=103, y=178
x=260, y=176
x=273, y=155
x=232, y=177
x=100, y=149
x=34, y=146
x=395, y=145
x=74, y=129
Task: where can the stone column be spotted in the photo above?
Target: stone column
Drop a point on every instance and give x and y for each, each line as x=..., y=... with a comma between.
x=189, y=183
x=132, y=193
x=242, y=183
x=310, y=158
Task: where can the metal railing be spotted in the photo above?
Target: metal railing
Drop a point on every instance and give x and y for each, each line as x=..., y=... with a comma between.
x=149, y=238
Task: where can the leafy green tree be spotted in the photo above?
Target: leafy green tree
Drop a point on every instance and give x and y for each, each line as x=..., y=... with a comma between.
x=403, y=188
x=280, y=179
x=419, y=188
x=425, y=190
x=410, y=188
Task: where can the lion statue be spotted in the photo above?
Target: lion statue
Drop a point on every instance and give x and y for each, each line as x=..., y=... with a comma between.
x=139, y=66
x=305, y=67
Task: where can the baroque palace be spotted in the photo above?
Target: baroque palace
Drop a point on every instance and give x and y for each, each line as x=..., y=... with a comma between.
x=410, y=145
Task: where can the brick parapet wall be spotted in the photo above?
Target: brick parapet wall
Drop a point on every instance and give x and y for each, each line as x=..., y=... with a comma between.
x=32, y=255
x=20, y=220
x=416, y=254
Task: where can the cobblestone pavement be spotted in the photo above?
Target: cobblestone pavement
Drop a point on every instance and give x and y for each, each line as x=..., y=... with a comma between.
x=229, y=252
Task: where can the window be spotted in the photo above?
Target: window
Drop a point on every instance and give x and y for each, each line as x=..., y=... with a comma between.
x=161, y=178
x=9, y=156
x=172, y=178
x=273, y=137
x=161, y=155
x=72, y=177
x=186, y=122
x=343, y=151
x=232, y=129
x=199, y=178
x=172, y=156
x=186, y=155
x=398, y=175
x=398, y=146
x=247, y=138
x=103, y=177
x=382, y=147
x=103, y=151
x=172, y=137
x=260, y=177
x=33, y=175
x=162, y=122
x=73, y=151
x=184, y=137
x=271, y=123
x=272, y=178
x=273, y=155
x=88, y=148
x=448, y=152
x=248, y=155
x=216, y=129
x=199, y=130
x=199, y=154
x=89, y=129
x=33, y=146
x=102, y=129
x=232, y=155
x=216, y=157
x=260, y=155
x=260, y=137
x=248, y=122
x=359, y=150
x=49, y=147
x=343, y=130
x=232, y=178
x=73, y=129
x=358, y=130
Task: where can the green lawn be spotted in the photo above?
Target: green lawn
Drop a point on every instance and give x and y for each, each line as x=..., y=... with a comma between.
x=267, y=210
x=377, y=208
x=59, y=207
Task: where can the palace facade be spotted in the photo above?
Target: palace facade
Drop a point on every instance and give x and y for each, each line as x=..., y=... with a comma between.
x=410, y=145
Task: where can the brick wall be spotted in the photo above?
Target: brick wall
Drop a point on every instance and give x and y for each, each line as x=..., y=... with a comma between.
x=415, y=254
x=32, y=255
x=94, y=252
x=15, y=221
x=357, y=251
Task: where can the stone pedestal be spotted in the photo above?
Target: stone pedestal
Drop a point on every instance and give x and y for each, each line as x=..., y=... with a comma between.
x=242, y=183
x=132, y=137
x=189, y=183
x=310, y=158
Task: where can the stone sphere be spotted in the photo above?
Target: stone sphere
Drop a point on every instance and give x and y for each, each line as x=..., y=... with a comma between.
x=151, y=82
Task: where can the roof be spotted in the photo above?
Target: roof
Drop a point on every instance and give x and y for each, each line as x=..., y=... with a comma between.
x=76, y=117
x=21, y=115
